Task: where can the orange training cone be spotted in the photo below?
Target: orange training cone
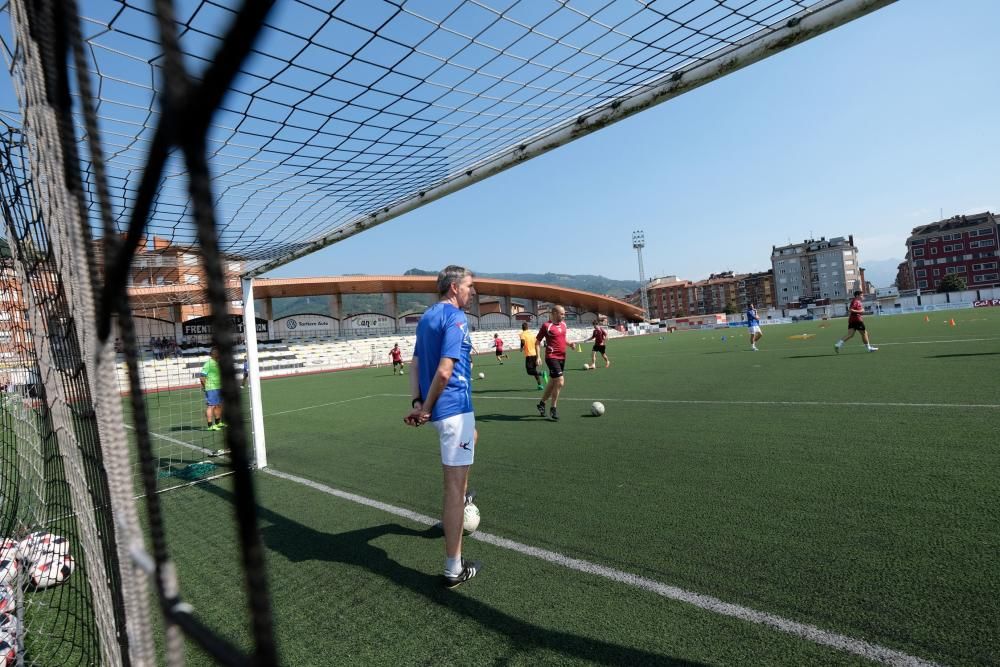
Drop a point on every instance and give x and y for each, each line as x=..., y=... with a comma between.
x=951, y=322
x=926, y=318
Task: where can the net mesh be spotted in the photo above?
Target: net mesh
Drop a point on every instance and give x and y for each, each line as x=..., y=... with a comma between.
x=344, y=109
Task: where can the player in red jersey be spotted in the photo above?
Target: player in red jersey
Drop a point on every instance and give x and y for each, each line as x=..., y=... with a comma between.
x=599, y=336
x=553, y=334
x=856, y=322
x=397, y=359
x=498, y=344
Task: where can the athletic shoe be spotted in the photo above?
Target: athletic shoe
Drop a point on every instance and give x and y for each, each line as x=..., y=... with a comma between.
x=211, y=427
x=754, y=348
x=872, y=349
x=215, y=427
x=836, y=348
x=541, y=386
x=541, y=408
x=554, y=414
x=470, y=496
x=469, y=570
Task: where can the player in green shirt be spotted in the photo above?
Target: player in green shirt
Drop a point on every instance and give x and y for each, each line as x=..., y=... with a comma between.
x=211, y=384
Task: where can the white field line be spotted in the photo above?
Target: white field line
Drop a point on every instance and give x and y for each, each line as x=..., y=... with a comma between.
x=323, y=405
x=682, y=401
x=175, y=441
x=873, y=652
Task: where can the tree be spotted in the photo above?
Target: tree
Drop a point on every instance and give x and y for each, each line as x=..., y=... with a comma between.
x=730, y=308
x=952, y=283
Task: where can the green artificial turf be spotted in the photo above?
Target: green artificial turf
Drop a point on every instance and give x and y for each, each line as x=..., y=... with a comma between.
x=855, y=492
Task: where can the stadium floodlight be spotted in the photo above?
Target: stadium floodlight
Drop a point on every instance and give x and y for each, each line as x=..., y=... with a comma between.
x=638, y=243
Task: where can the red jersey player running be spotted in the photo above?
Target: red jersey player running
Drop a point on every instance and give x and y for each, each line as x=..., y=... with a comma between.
x=599, y=336
x=498, y=344
x=553, y=334
x=855, y=322
x=397, y=359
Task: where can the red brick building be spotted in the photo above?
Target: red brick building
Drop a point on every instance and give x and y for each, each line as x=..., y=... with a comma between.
x=965, y=245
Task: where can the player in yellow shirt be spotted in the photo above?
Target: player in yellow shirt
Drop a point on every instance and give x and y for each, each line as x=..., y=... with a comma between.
x=530, y=349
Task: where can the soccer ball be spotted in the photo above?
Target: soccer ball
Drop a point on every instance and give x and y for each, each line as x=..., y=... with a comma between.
x=39, y=544
x=470, y=521
x=586, y=367
x=51, y=570
x=8, y=651
x=402, y=371
x=7, y=600
x=482, y=376
x=8, y=572
x=9, y=549
x=597, y=408
x=8, y=627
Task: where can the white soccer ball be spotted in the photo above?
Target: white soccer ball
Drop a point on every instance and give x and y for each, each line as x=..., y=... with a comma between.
x=470, y=521
x=7, y=600
x=8, y=652
x=39, y=544
x=482, y=376
x=597, y=408
x=10, y=549
x=586, y=367
x=51, y=570
x=8, y=572
x=402, y=371
x=9, y=628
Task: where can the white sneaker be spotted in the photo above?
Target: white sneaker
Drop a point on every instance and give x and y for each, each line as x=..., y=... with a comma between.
x=754, y=348
x=872, y=349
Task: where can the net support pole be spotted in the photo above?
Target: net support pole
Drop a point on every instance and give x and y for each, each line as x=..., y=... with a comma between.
x=256, y=407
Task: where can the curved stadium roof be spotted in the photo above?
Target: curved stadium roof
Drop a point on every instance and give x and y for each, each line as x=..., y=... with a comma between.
x=293, y=287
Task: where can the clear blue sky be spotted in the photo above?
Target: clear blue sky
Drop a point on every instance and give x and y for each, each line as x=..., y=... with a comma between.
x=869, y=130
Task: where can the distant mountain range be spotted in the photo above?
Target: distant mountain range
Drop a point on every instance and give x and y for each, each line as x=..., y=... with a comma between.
x=587, y=283
x=881, y=272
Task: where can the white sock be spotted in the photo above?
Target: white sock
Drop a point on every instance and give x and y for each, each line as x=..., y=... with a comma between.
x=453, y=566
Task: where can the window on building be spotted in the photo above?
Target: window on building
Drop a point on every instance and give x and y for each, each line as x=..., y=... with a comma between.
x=918, y=242
x=922, y=284
x=937, y=272
x=918, y=252
x=921, y=273
x=933, y=251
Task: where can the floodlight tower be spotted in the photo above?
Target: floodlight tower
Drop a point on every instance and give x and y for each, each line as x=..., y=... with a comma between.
x=639, y=242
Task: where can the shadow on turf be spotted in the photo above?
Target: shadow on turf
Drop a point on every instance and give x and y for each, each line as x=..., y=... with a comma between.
x=298, y=542
x=963, y=354
x=497, y=417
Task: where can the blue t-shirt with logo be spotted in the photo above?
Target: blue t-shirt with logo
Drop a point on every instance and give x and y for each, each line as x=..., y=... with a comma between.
x=443, y=331
x=752, y=319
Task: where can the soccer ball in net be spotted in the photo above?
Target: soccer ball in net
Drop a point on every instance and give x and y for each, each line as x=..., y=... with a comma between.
x=470, y=521
x=8, y=571
x=482, y=376
x=597, y=408
x=51, y=570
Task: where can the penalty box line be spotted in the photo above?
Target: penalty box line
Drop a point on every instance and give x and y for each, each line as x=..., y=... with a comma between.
x=812, y=633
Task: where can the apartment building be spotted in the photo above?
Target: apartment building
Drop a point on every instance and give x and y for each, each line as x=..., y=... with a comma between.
x=965, y=245
x=815, y=270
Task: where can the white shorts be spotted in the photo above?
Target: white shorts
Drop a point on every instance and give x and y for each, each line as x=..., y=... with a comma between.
x=458, y=439
x=755, y=329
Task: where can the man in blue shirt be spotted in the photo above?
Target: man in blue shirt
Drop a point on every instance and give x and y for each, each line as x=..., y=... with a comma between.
x=441, y=386
x=753, y=322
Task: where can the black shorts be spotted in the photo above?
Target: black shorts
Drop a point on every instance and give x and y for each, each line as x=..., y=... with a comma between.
x=499, y=353
x=531, y=365
x=599, y=349
x=857, y=326
x=555, y=366
x=397, y=363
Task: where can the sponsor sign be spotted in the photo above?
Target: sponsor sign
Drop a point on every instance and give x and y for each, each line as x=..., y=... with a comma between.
x=985, y=303
x=306, y=325
x=202, y=326
x=370, y=321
